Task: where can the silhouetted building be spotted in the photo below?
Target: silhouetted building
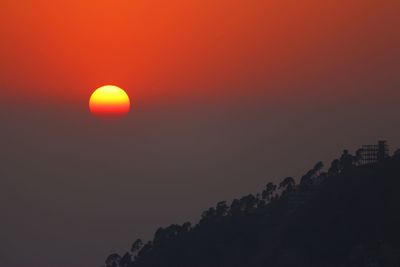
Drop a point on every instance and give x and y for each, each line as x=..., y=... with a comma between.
x=374, y=153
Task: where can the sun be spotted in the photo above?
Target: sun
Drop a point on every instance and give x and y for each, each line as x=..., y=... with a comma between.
x=109, y=101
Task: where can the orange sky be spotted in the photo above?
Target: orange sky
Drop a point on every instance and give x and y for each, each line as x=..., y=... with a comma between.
x=164, y=50
x=230, y=94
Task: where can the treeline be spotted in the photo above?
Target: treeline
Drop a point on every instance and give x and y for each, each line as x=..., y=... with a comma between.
x=338, y=217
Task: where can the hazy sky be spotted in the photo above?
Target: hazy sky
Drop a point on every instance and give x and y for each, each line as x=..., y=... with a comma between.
x=227, y=96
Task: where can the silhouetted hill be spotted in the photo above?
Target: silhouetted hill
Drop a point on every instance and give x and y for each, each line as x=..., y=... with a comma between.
x=348, y=216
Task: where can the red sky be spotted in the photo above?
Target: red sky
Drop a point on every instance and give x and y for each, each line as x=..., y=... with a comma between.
x=161, y=51
x=233, y=94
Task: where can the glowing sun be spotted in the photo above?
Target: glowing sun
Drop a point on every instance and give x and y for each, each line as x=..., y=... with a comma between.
x=109, y=101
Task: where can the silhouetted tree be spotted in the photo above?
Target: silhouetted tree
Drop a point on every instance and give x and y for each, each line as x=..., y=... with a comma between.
x=186, y=227
x=334, y=169
x=306, y=180
x=300, y=228
x=146, y=249
x=137, y=245
x=346, y=160
x=113, y=260
x=268, y=192
x=208, y=215
x=287, y=185
x=249, y=202
x=221, y=209
x=235, y=208
x=126, y=260
x=317, y=168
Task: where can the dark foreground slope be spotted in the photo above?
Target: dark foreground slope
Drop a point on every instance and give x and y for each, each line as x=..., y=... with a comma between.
x=349, y=216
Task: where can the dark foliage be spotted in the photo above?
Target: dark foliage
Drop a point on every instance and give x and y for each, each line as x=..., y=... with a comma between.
x=349, y=216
